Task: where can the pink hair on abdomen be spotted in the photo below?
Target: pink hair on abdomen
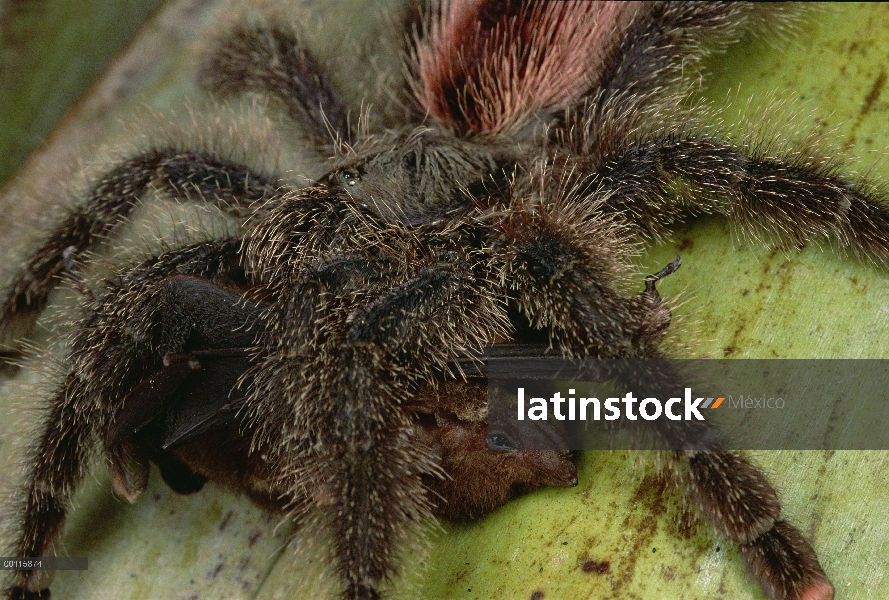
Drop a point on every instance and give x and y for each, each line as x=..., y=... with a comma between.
x=485, y=65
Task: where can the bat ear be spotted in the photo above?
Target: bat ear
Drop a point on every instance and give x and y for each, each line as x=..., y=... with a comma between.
x=483, y=66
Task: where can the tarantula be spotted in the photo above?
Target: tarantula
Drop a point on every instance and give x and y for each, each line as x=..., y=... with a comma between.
x=316, y=363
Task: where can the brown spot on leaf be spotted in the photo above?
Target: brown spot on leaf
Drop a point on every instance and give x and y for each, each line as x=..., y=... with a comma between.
x=225, y=520
x=874, y=94
x=596, y=566
x=212, y=574
x=537, y=595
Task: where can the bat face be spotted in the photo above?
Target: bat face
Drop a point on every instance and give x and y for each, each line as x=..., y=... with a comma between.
x=608, y=535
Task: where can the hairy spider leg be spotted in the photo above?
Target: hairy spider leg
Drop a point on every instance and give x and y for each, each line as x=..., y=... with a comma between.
x=149, y=312
x=58, y=463
x=272, y=59
x=793, y=199
x=738, y=499
x=187, y=175
x=369, y=468
x=661, y=49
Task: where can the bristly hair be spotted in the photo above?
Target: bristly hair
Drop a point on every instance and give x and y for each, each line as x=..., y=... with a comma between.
x=483, y=67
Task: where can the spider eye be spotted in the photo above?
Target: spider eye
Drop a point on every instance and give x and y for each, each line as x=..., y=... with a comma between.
x=500, y=441
x=350, y=177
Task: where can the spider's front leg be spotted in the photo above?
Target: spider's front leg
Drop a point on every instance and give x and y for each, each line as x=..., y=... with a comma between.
x=123, y=384
x=351, y=424
x=793, y=199
x=189, y=175
x=270, y=58
x=552, y=256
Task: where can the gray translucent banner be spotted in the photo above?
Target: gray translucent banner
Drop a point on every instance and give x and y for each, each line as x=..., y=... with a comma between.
x=46, y=563
x=780, y=404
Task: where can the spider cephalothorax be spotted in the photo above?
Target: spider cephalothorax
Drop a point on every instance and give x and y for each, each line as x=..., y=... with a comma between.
x=322, y=362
